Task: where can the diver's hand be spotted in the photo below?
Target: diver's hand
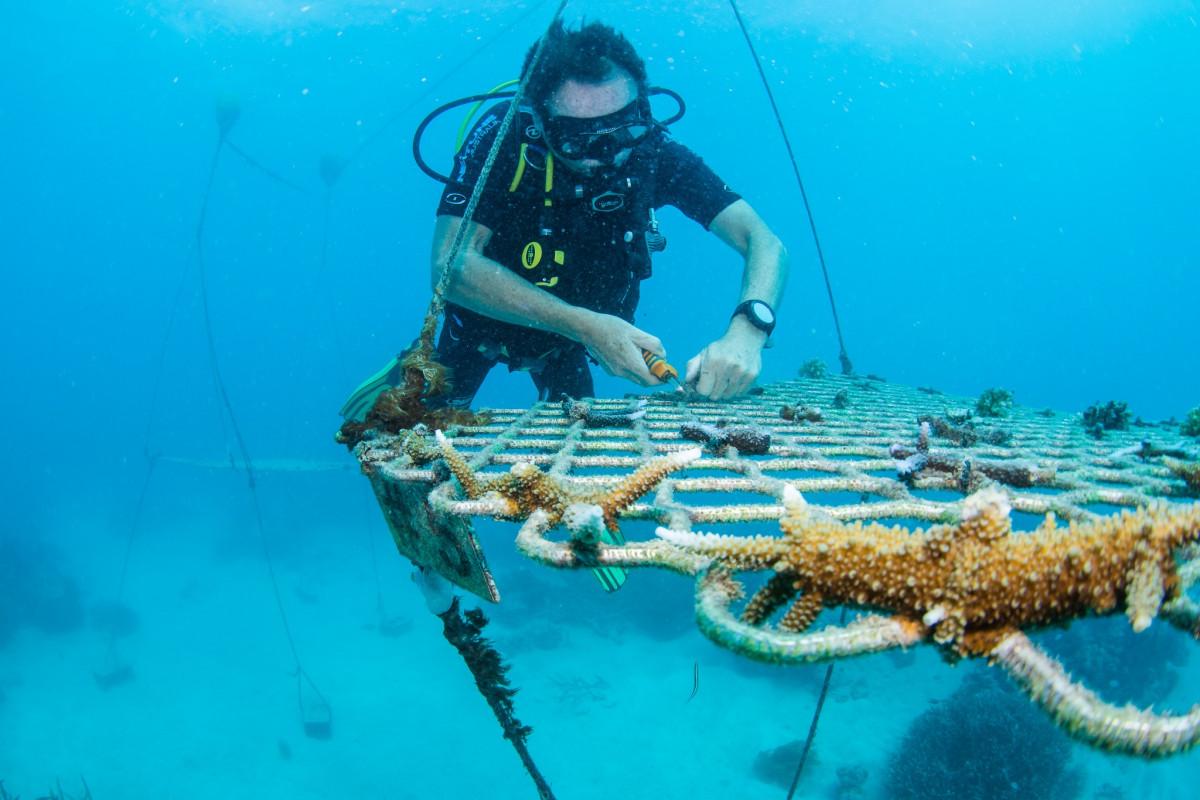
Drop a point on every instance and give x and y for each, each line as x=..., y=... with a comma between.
x=618, y=346
x=728, y=366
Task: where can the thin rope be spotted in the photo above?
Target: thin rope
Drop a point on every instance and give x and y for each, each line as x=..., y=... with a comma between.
x=151, y=457
x=498, y=697
x=258, y=165
x=160, y=364
x=421, y=354
x=433, y=87
x=843, y=356
x=816, y=718
x=438, y=302
x=112, y=662
x=247, y=463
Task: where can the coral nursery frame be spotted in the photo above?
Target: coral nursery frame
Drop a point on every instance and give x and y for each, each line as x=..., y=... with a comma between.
x=845, y=454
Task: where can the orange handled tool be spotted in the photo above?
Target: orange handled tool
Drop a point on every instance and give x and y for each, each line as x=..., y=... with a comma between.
x=659, y=367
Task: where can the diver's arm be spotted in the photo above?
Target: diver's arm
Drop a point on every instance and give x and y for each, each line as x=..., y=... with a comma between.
x=730, y=364
x=486, y=287
x=765, y=274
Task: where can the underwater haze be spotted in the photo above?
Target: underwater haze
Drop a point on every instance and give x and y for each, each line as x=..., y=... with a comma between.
x=1007, y=195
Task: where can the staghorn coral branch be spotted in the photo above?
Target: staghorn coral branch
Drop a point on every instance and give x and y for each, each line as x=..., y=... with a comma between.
x=526, y=488
x=779, y=589
x=645, y=478
x=975, y=576
x=802, y=614
x=471, y=486
x=746, y=552
x=1084, y=715
x=1184, y=613
x=871, y=634
x=1189, y=568
x=1186, y=472
x=1144, y=594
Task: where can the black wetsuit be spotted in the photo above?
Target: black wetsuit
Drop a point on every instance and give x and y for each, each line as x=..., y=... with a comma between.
x=581, y=238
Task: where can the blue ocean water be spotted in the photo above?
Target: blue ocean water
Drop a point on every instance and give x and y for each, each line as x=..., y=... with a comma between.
x=1006, y=195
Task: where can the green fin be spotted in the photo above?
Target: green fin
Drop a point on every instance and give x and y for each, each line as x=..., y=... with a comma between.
x=359, y=404
x=611, y=578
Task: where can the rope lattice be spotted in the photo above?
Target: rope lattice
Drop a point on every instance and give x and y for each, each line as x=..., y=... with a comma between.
x=1048, y=465
x=828, y=459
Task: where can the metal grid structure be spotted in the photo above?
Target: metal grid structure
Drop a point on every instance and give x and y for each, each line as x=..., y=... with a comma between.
x=842, y=464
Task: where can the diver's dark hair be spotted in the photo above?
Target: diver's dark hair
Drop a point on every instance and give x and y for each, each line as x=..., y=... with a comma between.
x=587, y=55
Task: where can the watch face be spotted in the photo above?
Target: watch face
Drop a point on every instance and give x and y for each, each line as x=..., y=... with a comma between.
x=763, y=312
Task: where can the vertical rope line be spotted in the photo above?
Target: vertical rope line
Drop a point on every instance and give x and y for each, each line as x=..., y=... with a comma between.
x=438, y=302
x=843, y=357
x=151, y=458
x=812, y=728
x=243, y=450
x=424, y=345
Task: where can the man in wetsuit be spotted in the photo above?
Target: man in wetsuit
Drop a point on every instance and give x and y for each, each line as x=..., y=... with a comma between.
x=550, y=269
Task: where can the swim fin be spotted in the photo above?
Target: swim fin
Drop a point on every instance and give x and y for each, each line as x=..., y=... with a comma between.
x=611, y=578
x=362, y=400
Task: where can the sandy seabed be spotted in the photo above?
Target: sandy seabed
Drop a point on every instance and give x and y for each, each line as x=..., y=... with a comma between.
x=212, y=709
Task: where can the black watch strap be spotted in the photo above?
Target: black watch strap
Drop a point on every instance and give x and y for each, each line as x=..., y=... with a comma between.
x=759, y=313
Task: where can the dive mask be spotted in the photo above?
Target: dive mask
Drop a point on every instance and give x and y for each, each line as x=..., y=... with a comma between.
x=601, y=138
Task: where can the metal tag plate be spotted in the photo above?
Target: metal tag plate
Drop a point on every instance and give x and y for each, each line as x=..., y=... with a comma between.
x=441, y=542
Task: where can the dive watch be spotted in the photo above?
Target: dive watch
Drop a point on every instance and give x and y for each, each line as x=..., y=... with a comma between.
x=758, y=313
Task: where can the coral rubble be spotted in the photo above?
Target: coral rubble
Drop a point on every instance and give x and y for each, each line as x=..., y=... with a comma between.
x=813, y=368
x=747, y=439
x=969, y=473
x=963, y=435
x=800, y=413
x=994, y=403
x=592, y=418
x=1188, y=472
x=1191, y=423
x=1112, y=416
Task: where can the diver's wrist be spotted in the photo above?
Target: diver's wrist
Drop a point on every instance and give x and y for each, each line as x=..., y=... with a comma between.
x=577, y=323
x=743, y=329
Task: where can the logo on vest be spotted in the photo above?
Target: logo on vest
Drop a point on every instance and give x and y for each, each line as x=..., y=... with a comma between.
x=531, y=256
x=608, y=202
x=456, y=198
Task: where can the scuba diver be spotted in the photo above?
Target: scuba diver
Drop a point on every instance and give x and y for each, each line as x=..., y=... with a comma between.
x=562, y=236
